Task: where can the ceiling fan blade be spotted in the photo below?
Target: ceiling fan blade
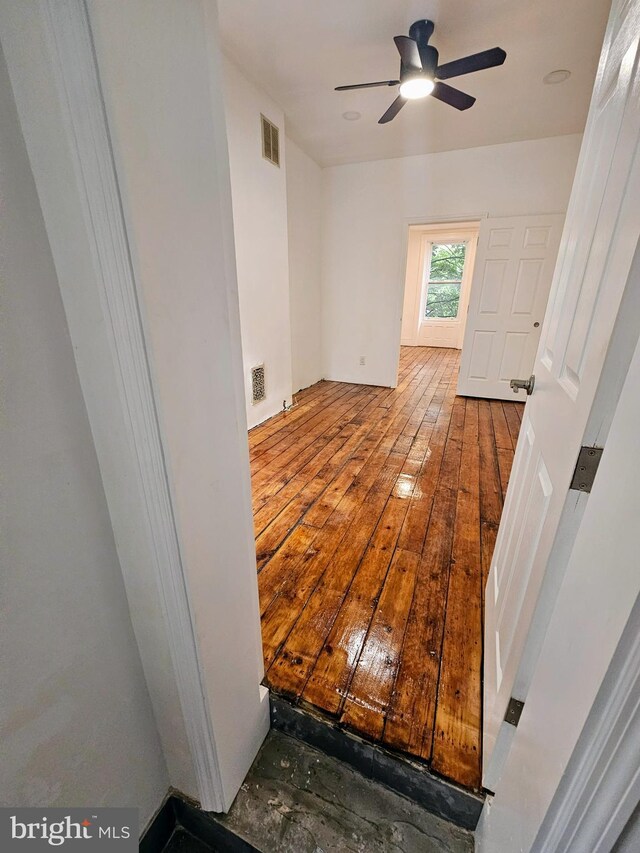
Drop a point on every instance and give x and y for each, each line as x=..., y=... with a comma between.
x=453, y=97
x=367, y=85
x=409, y=53
x=393, y=110
x=468, y=64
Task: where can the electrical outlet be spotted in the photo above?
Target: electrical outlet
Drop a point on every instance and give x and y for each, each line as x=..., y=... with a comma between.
x=363, y=361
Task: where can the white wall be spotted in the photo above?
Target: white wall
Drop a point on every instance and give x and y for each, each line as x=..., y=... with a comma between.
x=367, y=210
x=304, y=211
x=161, y=75
x=77, y=724
x=259, y=197
x=179, y=501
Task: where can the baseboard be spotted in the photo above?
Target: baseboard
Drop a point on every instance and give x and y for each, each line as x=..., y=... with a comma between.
x=413, y=780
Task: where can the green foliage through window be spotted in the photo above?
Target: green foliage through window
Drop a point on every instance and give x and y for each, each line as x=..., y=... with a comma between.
x=446, y=266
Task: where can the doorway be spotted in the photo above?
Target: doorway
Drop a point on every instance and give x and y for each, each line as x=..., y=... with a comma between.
x=375, y=514
x=440, y=264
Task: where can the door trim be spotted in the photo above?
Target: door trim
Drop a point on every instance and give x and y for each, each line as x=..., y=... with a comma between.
x=56, y=82
x=79, y=85
x=601, y=785
x=403, y=237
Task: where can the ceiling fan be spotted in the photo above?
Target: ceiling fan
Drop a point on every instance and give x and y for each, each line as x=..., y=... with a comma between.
x=420, y=74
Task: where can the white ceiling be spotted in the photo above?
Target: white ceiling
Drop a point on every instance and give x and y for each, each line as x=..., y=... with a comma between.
x=299, y=50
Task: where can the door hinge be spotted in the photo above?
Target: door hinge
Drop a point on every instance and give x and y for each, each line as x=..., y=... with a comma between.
x=514, y=710
x=586, y=467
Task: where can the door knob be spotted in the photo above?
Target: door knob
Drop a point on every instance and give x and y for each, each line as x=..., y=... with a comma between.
x=527, y=384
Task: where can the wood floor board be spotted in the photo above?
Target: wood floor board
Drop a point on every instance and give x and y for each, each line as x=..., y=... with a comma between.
x=277, y=457
x=370, y=689
x=375, y=512
x=282, y=424
x=512, y=419
x=457, y=735
x=309, y=482
x=280, y=572
x=500, y=427
x=338, y=656
x=304, y=493
x=282, y=613
x=269, y=480
x=504, y=443
x=378, y=443
x=318, y=466
x=279, y=442
x=290, y=671
x=505, y=461
x=362, y=469
x=490, y=486
x=264, y=485
x=490, y=490
x=414, y=529
x=412, y=707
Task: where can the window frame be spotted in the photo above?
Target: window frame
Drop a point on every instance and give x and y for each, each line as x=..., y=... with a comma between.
x=426, y=279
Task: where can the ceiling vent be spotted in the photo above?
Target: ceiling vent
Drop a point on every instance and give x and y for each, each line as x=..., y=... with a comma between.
x=270, y=141
x=258, y=390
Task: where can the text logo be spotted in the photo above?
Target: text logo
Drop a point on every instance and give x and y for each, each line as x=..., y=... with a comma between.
x=33, y=829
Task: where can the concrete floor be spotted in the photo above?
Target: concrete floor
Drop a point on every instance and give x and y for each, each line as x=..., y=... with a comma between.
x=296, y=799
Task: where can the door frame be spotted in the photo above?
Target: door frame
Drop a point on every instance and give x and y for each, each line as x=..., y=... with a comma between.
x=429, y=219
x=601, y=787
x=210, y=710
x=414, y=278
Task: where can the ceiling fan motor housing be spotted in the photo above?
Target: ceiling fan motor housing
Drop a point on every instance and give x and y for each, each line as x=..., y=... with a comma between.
x=429, y=59
x=421, y=31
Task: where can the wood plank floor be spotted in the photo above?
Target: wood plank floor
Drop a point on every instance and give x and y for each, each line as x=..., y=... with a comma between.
x=375, y=515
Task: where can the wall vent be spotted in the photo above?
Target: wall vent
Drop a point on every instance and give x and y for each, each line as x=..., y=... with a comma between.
x=270, y=141
x=258, y=389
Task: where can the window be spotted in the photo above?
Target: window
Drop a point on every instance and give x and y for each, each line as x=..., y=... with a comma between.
x=444, y=280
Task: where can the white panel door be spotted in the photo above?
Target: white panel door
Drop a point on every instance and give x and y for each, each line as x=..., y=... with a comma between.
x=514, y=266
x=598, y=244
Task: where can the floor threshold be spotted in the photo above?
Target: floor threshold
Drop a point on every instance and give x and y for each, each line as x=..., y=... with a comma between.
x=298, y=799
x=401, y=774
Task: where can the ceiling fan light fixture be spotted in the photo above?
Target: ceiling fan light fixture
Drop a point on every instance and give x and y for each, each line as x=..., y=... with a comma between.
x=420, y=69
x=416, y=87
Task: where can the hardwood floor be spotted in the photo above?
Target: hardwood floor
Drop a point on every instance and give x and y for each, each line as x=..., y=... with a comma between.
x=376, y=512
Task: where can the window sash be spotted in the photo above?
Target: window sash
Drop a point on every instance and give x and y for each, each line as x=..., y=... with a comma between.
x=439, y=282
